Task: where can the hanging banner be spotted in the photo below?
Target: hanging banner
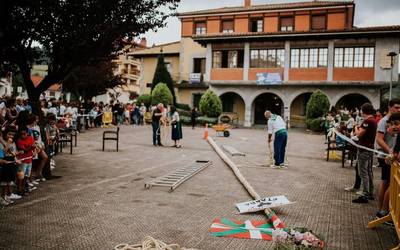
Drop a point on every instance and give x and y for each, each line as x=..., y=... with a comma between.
x=269, y=78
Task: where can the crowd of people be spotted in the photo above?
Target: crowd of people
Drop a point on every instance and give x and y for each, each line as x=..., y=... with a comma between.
x=29, y=140
x=372, y=136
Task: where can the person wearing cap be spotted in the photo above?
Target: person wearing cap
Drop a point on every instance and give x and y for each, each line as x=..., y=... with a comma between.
x=277, y=127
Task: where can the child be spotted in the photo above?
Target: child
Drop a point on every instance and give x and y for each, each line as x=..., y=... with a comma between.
x=9, y=150
x=25, y=146
x=51, y=133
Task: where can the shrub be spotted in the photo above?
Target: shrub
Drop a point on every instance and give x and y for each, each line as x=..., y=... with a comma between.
x=185, y=119
x=182, y=106
x=210, y=104
x=184, y=112
x=161, y=94
x=145, y=98
x=204, y=119
x=318, y=105
x=314, y=124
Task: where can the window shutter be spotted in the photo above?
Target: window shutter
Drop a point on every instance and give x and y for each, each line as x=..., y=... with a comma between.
x=318, y=22
x=227, y=25
x=286, y=21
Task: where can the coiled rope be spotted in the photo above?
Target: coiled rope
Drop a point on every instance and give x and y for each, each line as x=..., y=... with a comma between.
x=149, y=243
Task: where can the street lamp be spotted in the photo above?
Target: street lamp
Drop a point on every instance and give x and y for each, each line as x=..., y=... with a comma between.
x=392, y=56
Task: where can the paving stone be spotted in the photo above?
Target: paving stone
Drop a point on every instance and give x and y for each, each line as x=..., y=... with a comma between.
x=101, y=201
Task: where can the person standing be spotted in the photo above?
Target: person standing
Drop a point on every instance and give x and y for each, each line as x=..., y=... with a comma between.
x=385, y=142
x=176, y=133
x=365, y=134
x=142, y=112
x=193, y=117
x=277, y=127
x=155, y=123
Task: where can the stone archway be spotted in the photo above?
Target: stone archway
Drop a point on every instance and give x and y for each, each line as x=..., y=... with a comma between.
x=298, y=110
x=352, y=101
x=266, y=101
x=233, y=103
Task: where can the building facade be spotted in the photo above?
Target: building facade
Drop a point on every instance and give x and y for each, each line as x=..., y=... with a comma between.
x=274, y=56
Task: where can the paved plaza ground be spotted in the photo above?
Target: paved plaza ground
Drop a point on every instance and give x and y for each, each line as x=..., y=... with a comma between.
x=101, y=201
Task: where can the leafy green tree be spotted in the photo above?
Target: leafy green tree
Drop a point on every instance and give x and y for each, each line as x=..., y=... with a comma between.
x=210, y=104
x=145, y=98
x=73, y=33
x=162, y=75
x=161, y=94
x=318, y=105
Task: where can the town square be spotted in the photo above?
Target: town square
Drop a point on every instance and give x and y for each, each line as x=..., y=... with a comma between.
x=167, y=124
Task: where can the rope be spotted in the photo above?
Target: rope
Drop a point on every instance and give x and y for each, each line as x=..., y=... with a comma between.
x=149, y=243
x=349, y=140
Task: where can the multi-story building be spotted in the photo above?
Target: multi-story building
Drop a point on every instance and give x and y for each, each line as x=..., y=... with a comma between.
x=274, y=56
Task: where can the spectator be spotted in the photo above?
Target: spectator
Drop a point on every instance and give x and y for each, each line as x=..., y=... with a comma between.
x=365, y=133
x=193, y=116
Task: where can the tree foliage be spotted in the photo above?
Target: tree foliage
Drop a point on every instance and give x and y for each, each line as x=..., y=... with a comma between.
x=91, y=79
x=161, y=94
x=145, y=98
x=317, y=106
x=162, y=75
x=210, y=104
x=74, y=33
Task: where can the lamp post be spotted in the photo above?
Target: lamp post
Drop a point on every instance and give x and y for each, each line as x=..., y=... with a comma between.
x=392, y=56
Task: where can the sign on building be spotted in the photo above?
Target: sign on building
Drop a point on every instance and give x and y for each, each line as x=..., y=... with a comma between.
x=269, y=78
x=259, y=205
x=385, y=60
x=195, y=78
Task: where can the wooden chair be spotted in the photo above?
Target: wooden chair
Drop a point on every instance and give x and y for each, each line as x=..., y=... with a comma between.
x=64, y=139
x=109, y=135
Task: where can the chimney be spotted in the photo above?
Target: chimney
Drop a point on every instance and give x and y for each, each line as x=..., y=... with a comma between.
x=247, y=3
x=143, y=42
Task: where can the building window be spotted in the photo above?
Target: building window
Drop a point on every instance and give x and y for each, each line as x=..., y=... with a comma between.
x=357, y=57
x=228, y=59
x=287, y=24
x=256, y=25
x=200, y=28
x=227, y=26
x=217, y=59
x=199, y=65
x=196, y=99
x=309, y=58
x=267, y=58
x=318, y=22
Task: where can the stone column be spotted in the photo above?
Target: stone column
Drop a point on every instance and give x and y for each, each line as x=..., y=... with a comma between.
x=246, y=62
x=287, y=61
x=208, y=63
x=247, y=115
x=331, y=52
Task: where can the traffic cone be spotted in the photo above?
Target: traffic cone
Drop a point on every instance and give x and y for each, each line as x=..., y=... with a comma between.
x=205, y=136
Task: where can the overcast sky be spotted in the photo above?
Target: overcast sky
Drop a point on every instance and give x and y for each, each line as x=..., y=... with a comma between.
x=368, y=13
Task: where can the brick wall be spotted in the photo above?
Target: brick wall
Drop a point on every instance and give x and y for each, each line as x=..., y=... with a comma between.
x=187, y=28
x=336, y=21
x=353, y=74
x=271, y=24
x=226, y=74
x=310, y=74
x=302, y=23
x=241, y=25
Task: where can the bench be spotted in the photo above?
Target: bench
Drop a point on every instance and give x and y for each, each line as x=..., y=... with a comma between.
x=110, y=135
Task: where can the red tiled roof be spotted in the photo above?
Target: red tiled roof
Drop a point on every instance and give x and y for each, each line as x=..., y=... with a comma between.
x=281, y=33
x=267, y=7
x=37, y=79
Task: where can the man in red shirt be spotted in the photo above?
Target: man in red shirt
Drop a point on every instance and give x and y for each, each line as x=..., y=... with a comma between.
x=366, y=135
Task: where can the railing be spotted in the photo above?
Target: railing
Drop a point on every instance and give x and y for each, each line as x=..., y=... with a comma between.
x=394, y=201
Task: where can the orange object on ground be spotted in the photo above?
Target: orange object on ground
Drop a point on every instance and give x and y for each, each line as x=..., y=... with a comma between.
x=205, y=136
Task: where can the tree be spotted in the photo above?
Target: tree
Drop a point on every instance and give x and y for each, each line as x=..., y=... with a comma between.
x=91, y=79
x=74, y=33
x=210, y=104
x=145, y=98
x=161, y=94
x=162, y=75
x=318, y=105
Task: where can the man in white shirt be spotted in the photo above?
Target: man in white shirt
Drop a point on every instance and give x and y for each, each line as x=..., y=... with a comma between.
x=277, y=127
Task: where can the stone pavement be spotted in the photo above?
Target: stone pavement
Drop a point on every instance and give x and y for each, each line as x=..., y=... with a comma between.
x=101, y=200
